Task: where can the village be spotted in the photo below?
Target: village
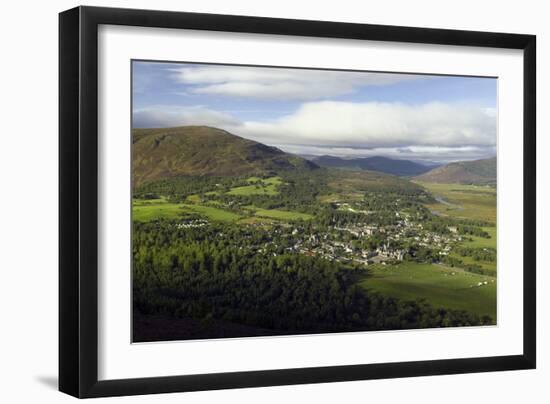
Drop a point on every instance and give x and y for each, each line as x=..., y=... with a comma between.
x=368, y=243
x=358, y=243
x=400, y=240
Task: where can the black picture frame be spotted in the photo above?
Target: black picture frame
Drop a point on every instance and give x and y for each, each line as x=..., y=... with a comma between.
x=78, y=196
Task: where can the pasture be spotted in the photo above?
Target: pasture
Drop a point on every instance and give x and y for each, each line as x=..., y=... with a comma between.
x=279, y=214
x=212, y=213
x=256, y=221
x=194, y=198
x=463, y=201
x=481, y=242
x=488, y=266
x=147, y=210
x=258, y=186
x=439, y=285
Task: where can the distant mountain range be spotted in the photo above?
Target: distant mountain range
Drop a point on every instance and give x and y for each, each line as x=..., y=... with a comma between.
x=478, y=172
x=386, y=165
x=206, y=151
x=202, y=150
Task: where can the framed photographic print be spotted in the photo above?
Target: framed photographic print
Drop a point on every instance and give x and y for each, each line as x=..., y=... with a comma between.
x=251, y=201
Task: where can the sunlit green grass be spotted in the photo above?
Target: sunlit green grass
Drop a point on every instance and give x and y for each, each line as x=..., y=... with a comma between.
x=266, y=186
x=143, y=211
x=279, y=214
x=467, y=201
x=212, y=213
x=256, y=220
x=194, y=198
x=147, y=210
x=441, y=286
x=489, y=266
x=481, y=242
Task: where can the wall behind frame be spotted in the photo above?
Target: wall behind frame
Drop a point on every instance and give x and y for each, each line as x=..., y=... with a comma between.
x=28, y=167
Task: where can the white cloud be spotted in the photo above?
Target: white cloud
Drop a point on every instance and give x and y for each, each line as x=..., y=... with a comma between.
x=277, y=83
x=419, y=153
x=369, y=125
x=166, y=116
x=432, y=131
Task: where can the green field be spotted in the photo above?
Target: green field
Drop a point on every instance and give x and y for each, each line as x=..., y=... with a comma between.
x=464, y=201
x=194, y=198
x=441, y=286
x=258, y=186
x=476, y=202
x=280, y=214
x=147, y=210
x=489, y=266
x=255, y=220
x=481, y=242
x=212, y=213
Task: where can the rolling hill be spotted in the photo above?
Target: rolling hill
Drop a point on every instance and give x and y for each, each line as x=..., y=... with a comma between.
x=477, y=172
x=204, y=151
x=376, y=163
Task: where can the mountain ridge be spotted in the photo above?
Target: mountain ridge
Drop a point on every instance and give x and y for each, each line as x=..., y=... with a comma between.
x=475, y=172
x=159, y=153
x=382, y=164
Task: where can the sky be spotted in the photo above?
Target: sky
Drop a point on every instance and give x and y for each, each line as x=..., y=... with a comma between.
x=324, y=112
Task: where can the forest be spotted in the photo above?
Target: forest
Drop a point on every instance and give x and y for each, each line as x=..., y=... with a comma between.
x=198, y=272
x=304, y=251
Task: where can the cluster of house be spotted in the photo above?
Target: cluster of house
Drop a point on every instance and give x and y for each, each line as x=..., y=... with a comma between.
x=347, y=207
x=332, y=247
x=389, y=253
x=192, y=223
x=359, y=230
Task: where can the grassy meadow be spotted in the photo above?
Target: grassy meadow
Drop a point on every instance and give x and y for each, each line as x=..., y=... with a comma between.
x=145, y=210
x=463, y=201
x=476, y=202
x=258, y=186
x=481, y=242
x=279, y=214
x=439, y=285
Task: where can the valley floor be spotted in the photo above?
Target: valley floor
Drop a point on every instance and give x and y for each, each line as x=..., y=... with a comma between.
x=438, y=284
x=435, y=244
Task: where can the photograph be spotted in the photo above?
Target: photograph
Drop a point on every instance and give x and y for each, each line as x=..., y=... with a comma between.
x=270, y=203
x=282, y=201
